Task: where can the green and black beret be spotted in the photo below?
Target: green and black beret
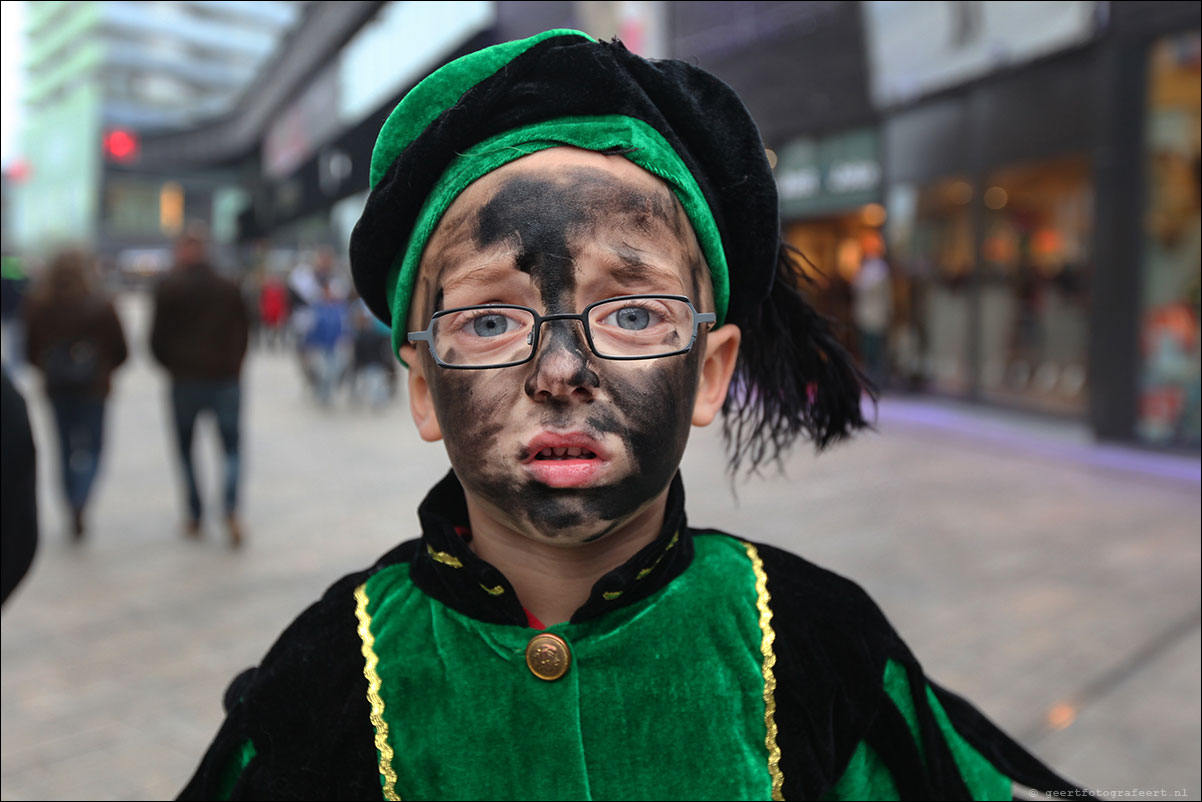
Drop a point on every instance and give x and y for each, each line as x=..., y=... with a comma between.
x=671, y=118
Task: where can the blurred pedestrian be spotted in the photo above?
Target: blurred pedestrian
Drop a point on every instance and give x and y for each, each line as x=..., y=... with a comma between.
x=252, y=290
x=273, y=311
x=200, y=334
x=74, y=337
x=324, y=343
x=18, y=489
x=873, y=310
x=313, y=281
x=373, y=366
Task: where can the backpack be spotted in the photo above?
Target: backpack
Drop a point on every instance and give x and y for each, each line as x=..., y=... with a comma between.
x=73, y=366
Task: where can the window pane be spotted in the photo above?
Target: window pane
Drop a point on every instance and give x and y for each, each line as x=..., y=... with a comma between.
x=1034, y=284
x=931, y=241
x=1169, y=387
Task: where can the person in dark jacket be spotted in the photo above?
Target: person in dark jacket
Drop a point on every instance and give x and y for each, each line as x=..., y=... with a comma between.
x=200, y=334
x=75, y=339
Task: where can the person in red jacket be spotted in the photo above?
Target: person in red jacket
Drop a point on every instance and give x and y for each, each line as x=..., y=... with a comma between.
x=273, y=310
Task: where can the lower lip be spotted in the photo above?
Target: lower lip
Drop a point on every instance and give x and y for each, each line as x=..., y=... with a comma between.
x=565, y=472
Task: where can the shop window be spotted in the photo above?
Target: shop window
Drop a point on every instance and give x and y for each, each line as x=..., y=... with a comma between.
x=1169, y=382
x=1033, y=317
x=835, y=247
x=931, y=250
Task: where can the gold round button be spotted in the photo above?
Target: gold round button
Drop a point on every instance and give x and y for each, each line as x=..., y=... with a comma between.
x=548, y=656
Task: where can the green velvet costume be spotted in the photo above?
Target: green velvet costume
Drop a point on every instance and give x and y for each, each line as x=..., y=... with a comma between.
x=706, y=667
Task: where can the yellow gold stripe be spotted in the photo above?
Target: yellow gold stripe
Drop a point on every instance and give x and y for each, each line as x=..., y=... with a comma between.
x=610, y=595
x=443, y=557
x=493, y=591
x=763, y=602
x=373, y=693
x=651, y=567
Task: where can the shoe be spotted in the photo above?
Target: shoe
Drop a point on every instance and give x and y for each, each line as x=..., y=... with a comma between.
x=235, y=531
x=77, y=524
x=192, y=529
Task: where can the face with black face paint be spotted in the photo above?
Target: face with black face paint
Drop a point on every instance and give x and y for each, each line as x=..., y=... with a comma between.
x=567, y=447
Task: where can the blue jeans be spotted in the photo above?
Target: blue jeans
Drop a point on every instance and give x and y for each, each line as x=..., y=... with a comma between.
x=80, y=423
x=189, y=398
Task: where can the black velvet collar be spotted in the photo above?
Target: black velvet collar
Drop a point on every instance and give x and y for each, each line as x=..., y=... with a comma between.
x=446, y=568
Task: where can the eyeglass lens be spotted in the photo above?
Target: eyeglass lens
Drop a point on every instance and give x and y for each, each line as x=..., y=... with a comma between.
x=624, y=327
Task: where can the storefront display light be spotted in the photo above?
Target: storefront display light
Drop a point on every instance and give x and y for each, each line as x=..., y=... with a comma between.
x=171, y=208
x=873, y=214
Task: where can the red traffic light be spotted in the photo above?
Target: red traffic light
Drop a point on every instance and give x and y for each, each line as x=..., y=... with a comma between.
x=121, y=145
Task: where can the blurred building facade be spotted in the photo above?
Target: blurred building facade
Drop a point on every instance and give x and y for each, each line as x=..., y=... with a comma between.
x=102, y=76
x=1023, y=149
x=1029, y=170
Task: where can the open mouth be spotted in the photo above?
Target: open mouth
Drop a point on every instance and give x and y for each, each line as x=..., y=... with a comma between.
x=566, y=459
x=570, y=452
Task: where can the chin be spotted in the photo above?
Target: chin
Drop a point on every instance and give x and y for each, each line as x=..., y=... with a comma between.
x=566, y=522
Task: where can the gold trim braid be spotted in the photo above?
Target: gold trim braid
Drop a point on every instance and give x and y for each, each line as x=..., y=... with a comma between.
x=443, y=557
x=763, y=603
x=373, y=693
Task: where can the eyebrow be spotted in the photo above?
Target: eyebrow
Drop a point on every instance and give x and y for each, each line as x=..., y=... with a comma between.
x=633, y=269
x=486, y=275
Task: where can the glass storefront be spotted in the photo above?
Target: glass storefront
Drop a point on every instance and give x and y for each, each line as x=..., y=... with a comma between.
x=1172, y=244
x=1013, y=328
x=829, y=189
x=835, y=248
x=1034, y=281
x=931, y=248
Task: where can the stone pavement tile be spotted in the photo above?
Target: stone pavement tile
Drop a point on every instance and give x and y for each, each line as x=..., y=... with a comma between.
x=1144, y=734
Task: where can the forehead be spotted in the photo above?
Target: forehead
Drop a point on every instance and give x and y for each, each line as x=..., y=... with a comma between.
x=563, y=202
x=614, y=181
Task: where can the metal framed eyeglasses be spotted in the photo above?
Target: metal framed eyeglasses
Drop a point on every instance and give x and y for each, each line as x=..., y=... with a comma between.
x=628, y=327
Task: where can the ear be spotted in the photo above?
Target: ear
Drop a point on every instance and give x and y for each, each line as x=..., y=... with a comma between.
x=717, y=366
x=421, y=403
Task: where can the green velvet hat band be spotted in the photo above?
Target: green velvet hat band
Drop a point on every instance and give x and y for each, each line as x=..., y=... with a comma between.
x=637, y=141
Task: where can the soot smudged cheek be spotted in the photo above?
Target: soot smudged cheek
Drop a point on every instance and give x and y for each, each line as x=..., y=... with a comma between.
x=471, y=415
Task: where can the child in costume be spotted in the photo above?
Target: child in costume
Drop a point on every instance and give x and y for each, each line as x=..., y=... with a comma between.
x=579, y=254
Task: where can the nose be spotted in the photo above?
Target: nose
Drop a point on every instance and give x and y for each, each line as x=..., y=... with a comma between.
x=562, y=368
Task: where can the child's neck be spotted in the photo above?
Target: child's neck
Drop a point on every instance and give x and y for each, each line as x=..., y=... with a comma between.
x=553, y=581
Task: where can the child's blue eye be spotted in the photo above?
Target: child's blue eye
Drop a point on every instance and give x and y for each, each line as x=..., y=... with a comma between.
x=492, y=325
x=632, y=318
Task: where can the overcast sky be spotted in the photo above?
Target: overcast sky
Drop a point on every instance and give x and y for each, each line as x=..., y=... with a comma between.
x=12, y=24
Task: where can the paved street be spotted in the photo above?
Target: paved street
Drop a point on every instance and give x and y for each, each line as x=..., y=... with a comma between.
x=1029, y=570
